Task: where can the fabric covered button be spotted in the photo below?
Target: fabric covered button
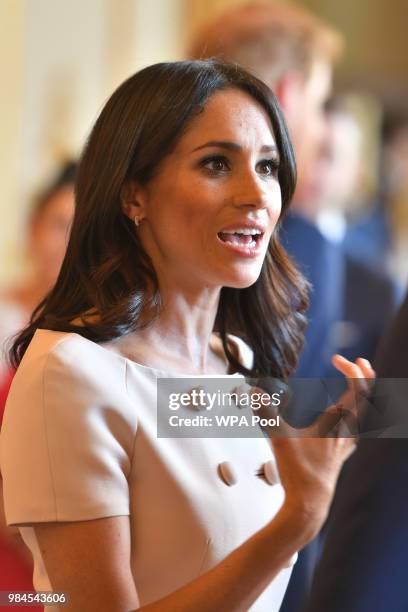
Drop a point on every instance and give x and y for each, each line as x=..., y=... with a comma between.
x=270, y=472
x=228, y=473
x=196, y=399
x=242, y=392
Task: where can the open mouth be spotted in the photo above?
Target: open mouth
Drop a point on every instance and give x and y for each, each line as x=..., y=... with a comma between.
x=246, y=238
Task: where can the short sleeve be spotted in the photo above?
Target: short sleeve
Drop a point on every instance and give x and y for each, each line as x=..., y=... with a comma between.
x=68, y=435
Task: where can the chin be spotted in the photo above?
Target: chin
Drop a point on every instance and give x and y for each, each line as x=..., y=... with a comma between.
x=242, y=280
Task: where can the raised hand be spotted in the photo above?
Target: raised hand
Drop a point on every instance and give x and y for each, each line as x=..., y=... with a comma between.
x=309, y=459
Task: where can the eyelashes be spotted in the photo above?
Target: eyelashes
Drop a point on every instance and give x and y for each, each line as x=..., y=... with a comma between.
x=271, y=166
x=218, y=165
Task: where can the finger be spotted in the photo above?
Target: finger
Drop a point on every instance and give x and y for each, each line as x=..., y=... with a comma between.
x=366, y=368
x=362, y=368
x=271, y=412
x=346, y=367
x=367, y=373
x=349, y=448
x=356, y=376
x=326, y=425
x=349, y=426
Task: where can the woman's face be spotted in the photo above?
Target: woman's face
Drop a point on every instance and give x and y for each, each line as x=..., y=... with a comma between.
x=209, y=212
x=49, y=233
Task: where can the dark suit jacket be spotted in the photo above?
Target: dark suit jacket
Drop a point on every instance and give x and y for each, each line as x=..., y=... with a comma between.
x=323, y=264
x=371, y=299
x=364, y=566
x=350, y=305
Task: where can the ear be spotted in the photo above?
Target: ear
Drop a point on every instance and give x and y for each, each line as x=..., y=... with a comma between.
x=289, y=90
x=133, y=200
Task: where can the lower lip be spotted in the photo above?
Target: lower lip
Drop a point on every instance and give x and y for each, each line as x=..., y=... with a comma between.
x=243, y=250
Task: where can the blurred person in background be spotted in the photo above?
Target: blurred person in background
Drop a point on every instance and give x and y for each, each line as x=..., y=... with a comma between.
x=378, y=230
x=46, y=239
x=48, y=230
x=370, y=295
x=331, y=188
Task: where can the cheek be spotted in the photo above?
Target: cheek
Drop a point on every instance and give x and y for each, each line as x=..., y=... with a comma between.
x=180, y=216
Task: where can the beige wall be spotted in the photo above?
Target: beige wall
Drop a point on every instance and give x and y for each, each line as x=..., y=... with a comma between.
x=200, y=11
x=377, y=49
x=60, y=62
x=11, y=69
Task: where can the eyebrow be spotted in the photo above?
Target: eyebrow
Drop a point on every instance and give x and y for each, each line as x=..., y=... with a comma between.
x=233, y=146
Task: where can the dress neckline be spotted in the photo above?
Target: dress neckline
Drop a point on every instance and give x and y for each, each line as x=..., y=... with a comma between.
x=145, y=368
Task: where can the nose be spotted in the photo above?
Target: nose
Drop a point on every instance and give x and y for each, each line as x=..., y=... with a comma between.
x=252, y=191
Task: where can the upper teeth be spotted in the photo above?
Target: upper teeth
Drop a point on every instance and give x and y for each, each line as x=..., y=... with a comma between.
x=246, y=232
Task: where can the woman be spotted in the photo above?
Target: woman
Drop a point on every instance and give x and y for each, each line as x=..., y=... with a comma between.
x=179, y=192
x=47, y=236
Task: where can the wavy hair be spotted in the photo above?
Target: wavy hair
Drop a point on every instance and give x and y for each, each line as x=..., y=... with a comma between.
x=106, y=270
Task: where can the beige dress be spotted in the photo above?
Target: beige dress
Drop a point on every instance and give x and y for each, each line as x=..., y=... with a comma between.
x=79, y=442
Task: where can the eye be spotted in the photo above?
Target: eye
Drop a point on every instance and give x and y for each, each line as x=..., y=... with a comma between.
x=268, y=167
x=216, y=164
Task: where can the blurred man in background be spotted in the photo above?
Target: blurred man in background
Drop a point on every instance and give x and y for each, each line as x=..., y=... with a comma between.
x=334, y=185
x=370, y=296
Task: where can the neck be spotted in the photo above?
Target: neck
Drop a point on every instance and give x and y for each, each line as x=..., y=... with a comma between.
x=182, y=332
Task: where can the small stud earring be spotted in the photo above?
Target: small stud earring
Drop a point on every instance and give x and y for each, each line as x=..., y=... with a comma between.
x=136, y=220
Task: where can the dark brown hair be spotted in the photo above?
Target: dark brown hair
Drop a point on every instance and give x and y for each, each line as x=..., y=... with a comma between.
x=107, y=272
